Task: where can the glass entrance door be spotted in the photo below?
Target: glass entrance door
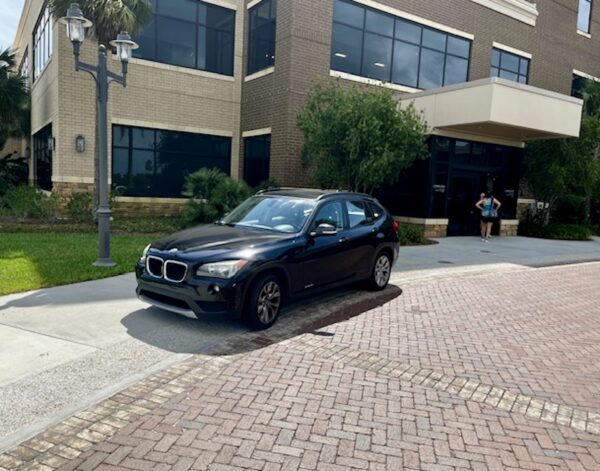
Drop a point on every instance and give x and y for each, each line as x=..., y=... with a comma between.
x=463, y=194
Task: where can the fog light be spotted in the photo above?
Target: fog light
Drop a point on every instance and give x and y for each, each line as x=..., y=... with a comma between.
x=214, y=289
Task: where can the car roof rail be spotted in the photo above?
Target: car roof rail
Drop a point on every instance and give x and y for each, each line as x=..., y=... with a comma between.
x=340, y=192
x=276, y=188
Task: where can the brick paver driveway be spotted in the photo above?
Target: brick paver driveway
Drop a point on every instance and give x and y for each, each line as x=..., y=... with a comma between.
x=492, y=371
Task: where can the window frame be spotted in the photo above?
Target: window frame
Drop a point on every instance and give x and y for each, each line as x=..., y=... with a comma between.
x=197, y=24
x=250, y=70
x=42, y=40
x=589, y=16
x=500, y=68
x=395, y=39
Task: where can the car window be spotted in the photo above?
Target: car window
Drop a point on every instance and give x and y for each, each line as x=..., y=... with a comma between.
x=330, y=213
x=357, y=213
x=281, y=214
x=376, y=210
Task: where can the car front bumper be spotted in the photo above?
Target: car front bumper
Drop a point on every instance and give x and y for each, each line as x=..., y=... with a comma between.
x=191, y=298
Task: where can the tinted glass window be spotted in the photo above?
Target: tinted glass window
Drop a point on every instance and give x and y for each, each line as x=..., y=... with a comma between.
x=406, y=64
x=380, y=23
x=357, y=213
x=349, y=14
x=459, y=46
x=456, y=70
x=189, y=33
x=257, y=159
x=183, y=9
x=419, y=57
x=509, y=66
x=432, y=69
x=409, y=32
x=346, y=49
x=434, y=40
x=261, y=41
x=377, y=57
x=330, y=213
x=148, y=162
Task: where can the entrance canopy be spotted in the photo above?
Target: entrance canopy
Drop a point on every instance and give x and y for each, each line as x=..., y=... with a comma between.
x=498, y=109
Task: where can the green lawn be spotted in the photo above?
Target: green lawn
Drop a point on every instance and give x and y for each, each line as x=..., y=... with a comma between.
x=38, y=260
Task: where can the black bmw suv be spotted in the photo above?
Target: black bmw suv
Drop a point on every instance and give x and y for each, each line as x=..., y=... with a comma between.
x=275, y=245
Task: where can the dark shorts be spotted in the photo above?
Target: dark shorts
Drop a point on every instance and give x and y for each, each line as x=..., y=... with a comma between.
x=487, y=219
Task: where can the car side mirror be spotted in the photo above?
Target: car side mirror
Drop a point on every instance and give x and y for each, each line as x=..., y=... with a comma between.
x=324, y=229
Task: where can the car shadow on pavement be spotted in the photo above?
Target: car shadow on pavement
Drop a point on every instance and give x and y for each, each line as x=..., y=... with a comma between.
x=228, y=335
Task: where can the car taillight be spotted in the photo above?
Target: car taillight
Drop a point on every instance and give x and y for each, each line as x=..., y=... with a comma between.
x=396, y=227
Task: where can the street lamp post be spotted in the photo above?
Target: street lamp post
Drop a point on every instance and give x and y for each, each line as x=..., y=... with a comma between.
x=76, y=27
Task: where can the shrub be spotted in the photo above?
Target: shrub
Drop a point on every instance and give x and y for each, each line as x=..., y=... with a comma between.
x=23, y=202
x=13, y=172
x=557, y=231
x=80, y=207
x=201, y=184
x=570, y=209
x=212, y=194
x=411, y=235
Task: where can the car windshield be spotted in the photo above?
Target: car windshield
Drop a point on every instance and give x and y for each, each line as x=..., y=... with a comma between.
x=281, y=214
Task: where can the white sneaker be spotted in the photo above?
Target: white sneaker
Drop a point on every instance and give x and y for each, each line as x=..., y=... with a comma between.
x=483, y=240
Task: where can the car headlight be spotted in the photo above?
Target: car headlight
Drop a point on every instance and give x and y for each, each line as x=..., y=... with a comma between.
x=226, y=269
x=145, y=252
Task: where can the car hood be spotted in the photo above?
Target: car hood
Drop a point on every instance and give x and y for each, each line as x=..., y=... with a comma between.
x=217, y=238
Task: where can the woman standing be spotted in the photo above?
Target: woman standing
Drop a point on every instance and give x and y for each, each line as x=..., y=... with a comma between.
x=489, y=207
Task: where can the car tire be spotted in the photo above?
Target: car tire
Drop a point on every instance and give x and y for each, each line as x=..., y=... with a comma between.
x=381, y=272
x=264, y=302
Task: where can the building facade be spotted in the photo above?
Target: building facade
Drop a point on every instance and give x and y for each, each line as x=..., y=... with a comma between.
x=219, y=83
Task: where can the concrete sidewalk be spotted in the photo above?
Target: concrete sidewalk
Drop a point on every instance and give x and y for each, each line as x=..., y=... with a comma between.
x=525, y=251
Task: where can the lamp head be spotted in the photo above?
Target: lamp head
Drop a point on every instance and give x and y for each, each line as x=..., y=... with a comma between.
x=76, y=23
x=124, y=45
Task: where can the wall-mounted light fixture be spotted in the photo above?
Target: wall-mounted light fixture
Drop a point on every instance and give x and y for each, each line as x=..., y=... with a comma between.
x=80, y=143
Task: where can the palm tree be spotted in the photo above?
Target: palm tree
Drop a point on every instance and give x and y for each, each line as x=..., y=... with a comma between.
x=14, y=98
x=110, y=17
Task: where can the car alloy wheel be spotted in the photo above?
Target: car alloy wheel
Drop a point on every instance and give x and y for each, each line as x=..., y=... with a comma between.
x=269, y=302
x=264, y=302
x=382, y=271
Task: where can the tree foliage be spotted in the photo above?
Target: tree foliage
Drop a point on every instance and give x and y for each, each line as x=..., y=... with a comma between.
x=14, y=100
x=358, y=138
x=109, y=17
x=557, y=168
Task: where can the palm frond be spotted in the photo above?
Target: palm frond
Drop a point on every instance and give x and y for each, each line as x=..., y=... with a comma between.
x=8, y=56
x=109, y=17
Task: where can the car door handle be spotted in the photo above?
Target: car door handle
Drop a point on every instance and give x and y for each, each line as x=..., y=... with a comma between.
x=343, y=239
